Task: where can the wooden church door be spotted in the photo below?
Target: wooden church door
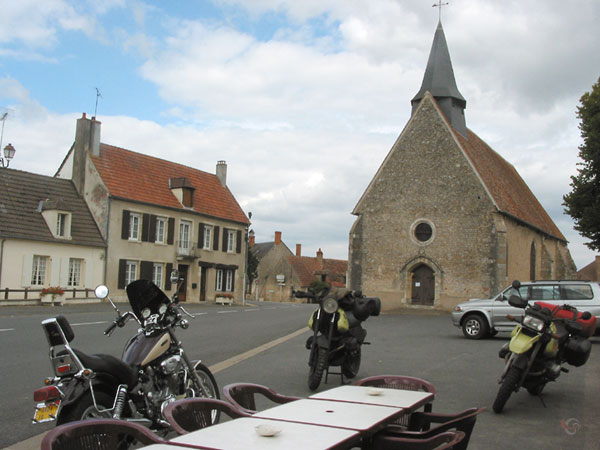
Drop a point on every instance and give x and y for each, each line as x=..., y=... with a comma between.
x=423, y=286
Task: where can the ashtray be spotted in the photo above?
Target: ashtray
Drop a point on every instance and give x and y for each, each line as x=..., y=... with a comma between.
x=267, y=430
x=374, y=391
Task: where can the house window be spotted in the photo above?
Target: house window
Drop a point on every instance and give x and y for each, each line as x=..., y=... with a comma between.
x=219, y=286
x=158, y=274
x=134, y=226
x=131, y=270
x=229, y=280
x=185, y=229
x=74, y=272
x=224, y=280
x=207, y=236
x=161, y=226
x=61, y=224
x=38, y=273
x=230, y=241
x=188, y=197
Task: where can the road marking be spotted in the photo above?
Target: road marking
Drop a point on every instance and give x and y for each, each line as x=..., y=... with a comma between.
x=216, y=368
x=87, y=323
x=7, y=329
x=227, y=312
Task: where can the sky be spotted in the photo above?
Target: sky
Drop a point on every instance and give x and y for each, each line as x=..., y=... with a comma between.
x=302, y=99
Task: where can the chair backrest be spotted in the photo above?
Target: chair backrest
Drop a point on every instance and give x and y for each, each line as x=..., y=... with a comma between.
x=447, y=440
x=244, y=396
x=397, y=382
x=98, y=434
x=191, y=414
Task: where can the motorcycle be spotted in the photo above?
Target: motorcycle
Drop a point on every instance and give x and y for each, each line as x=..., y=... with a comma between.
x=153, y=371
x=337, y=332
x=545, y=338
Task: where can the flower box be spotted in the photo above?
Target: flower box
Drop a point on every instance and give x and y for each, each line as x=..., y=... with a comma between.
x=224, y=299
x=52, y=295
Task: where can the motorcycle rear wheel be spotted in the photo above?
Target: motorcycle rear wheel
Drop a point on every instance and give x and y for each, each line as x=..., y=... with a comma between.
x=317, y=367
x=509, y=384
x=84, y=408
x=351, y=364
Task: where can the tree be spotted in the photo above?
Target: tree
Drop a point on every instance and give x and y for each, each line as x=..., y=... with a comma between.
x=583, y=202
x=251, y=270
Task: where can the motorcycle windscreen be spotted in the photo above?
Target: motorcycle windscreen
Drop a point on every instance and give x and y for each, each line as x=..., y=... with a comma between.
x=145, y=294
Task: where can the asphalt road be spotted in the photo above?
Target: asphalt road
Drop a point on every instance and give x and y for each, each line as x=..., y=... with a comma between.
x=424, y=345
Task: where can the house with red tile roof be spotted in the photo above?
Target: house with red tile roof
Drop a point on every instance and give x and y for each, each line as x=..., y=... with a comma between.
x=280, y=271
x=158, y=215
x=446, y=218
x=591, y=272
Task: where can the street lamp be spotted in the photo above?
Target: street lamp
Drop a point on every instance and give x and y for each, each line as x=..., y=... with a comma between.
x=9, y=153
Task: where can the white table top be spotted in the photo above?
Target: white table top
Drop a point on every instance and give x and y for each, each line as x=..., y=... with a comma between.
x=241, y=434
x=353, y=416
x=399, y=398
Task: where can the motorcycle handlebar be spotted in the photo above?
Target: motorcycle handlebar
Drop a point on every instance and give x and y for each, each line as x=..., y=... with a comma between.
x=110, y=329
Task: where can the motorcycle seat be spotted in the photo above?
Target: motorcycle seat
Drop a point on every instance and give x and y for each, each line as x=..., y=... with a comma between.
x=104, y=363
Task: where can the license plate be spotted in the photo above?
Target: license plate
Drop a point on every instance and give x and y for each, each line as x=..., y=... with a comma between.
x=45, y=412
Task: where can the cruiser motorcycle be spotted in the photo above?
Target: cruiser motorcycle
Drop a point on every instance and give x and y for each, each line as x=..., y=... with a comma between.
x=337, y=332
x=153, y=371
x=545, y=338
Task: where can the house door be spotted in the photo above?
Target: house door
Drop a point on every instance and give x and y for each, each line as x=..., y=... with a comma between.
x=203, y=272
x=183, y=274
x=423, y=286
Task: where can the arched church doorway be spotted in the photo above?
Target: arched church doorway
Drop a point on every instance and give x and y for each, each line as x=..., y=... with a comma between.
x=423, y=286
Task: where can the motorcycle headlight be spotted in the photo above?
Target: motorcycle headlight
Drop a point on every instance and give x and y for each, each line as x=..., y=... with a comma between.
x=330, y=305
x=534, y=323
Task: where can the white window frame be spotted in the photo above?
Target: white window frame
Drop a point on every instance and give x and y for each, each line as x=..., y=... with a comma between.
x=39, y=270
x=75, y=272
x=230, y=241
x=131, y=271
x=62, y=220
x=135, y=220
x=158, y=271
x=219, y=284
x=207, y=237
x=161, y=228
x=228, y=280
x=185, y=236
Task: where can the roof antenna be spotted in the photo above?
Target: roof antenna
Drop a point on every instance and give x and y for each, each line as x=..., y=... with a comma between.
x=98, y=94
x=439, y=5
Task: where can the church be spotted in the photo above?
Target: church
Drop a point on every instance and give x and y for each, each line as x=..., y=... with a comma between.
x=445, y=217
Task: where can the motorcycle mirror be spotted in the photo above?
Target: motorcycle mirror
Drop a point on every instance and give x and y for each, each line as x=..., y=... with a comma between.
x=101, y=291
x=174, y=276
x=516, y=284
x=586, y=315
x=517, y=302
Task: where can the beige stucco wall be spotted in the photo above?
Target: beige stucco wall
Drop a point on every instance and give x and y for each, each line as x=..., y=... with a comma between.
x=275, y=263
x=17, y=257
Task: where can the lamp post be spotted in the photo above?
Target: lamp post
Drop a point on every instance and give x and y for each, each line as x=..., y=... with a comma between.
x=9, y=150
x=246, y=264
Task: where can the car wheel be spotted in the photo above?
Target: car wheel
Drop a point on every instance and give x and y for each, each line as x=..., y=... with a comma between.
x=475, y=327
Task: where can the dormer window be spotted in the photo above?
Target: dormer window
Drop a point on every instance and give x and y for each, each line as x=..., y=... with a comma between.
x=61, y=224
x=184, y=191
x=57, y=216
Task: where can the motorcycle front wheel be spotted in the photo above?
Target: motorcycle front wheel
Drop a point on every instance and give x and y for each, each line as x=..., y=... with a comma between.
x=317, y=367
x=209, y=387
x=351, y=364
x=508, y=386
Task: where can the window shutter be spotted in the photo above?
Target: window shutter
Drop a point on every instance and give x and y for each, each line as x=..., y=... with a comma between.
x=216, y=238
x=125, y=225
x=200, y=235
x=233, y=281
x=171, y=231
x=145, y=227
x=121, y=279
x=168, y=277
x=225, y=236
x=152, y=233
x=238, y=242
x=146, y=270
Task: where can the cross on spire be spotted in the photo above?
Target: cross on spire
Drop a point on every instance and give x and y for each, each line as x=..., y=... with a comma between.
x=439, y=5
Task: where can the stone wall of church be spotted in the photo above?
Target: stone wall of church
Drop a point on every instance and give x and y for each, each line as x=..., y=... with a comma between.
x=425, y=178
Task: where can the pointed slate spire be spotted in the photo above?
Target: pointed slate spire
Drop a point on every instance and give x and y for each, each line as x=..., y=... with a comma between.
x=439, y=81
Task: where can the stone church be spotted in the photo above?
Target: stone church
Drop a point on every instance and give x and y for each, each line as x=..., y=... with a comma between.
x=445, y=217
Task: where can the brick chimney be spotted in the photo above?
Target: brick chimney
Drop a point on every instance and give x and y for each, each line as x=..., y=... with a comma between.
x=87, y=141
x=320, y=257
x=277, y=237
x=298, y=249
x=251, y=238
x=221, y=172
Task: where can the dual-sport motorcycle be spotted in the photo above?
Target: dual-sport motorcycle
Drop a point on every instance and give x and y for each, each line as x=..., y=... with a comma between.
x=546, y=337
x=153, y=371
x=337, y=332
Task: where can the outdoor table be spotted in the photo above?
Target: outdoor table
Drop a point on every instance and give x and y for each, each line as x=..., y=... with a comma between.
x=365, y=418
x=241, y=434
x=399, y=398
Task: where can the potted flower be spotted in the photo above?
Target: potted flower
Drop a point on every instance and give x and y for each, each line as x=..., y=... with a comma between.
x=53, y=292
x=224, y=298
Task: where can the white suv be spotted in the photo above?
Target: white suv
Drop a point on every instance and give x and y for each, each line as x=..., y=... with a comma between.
x=479, y=318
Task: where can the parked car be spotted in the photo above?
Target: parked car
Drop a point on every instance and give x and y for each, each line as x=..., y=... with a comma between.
x=479, y=318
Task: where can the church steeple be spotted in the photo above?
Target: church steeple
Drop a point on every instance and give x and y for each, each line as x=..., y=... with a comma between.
x=439, y=81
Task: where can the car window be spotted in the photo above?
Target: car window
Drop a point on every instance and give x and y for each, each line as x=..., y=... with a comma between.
x=544, y=292
x=577, y=292
x=522, y=292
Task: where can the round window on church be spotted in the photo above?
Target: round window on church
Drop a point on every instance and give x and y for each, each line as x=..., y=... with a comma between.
x=422, y=232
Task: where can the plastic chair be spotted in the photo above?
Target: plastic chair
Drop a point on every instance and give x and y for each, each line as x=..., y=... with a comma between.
x=421, y=425
x=244, y=395
x=447, y=440
x=191, y=414
x=98, y=434
x=400, y=382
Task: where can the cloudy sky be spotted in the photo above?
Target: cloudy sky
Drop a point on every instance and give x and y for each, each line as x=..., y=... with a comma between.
x=303, y=99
